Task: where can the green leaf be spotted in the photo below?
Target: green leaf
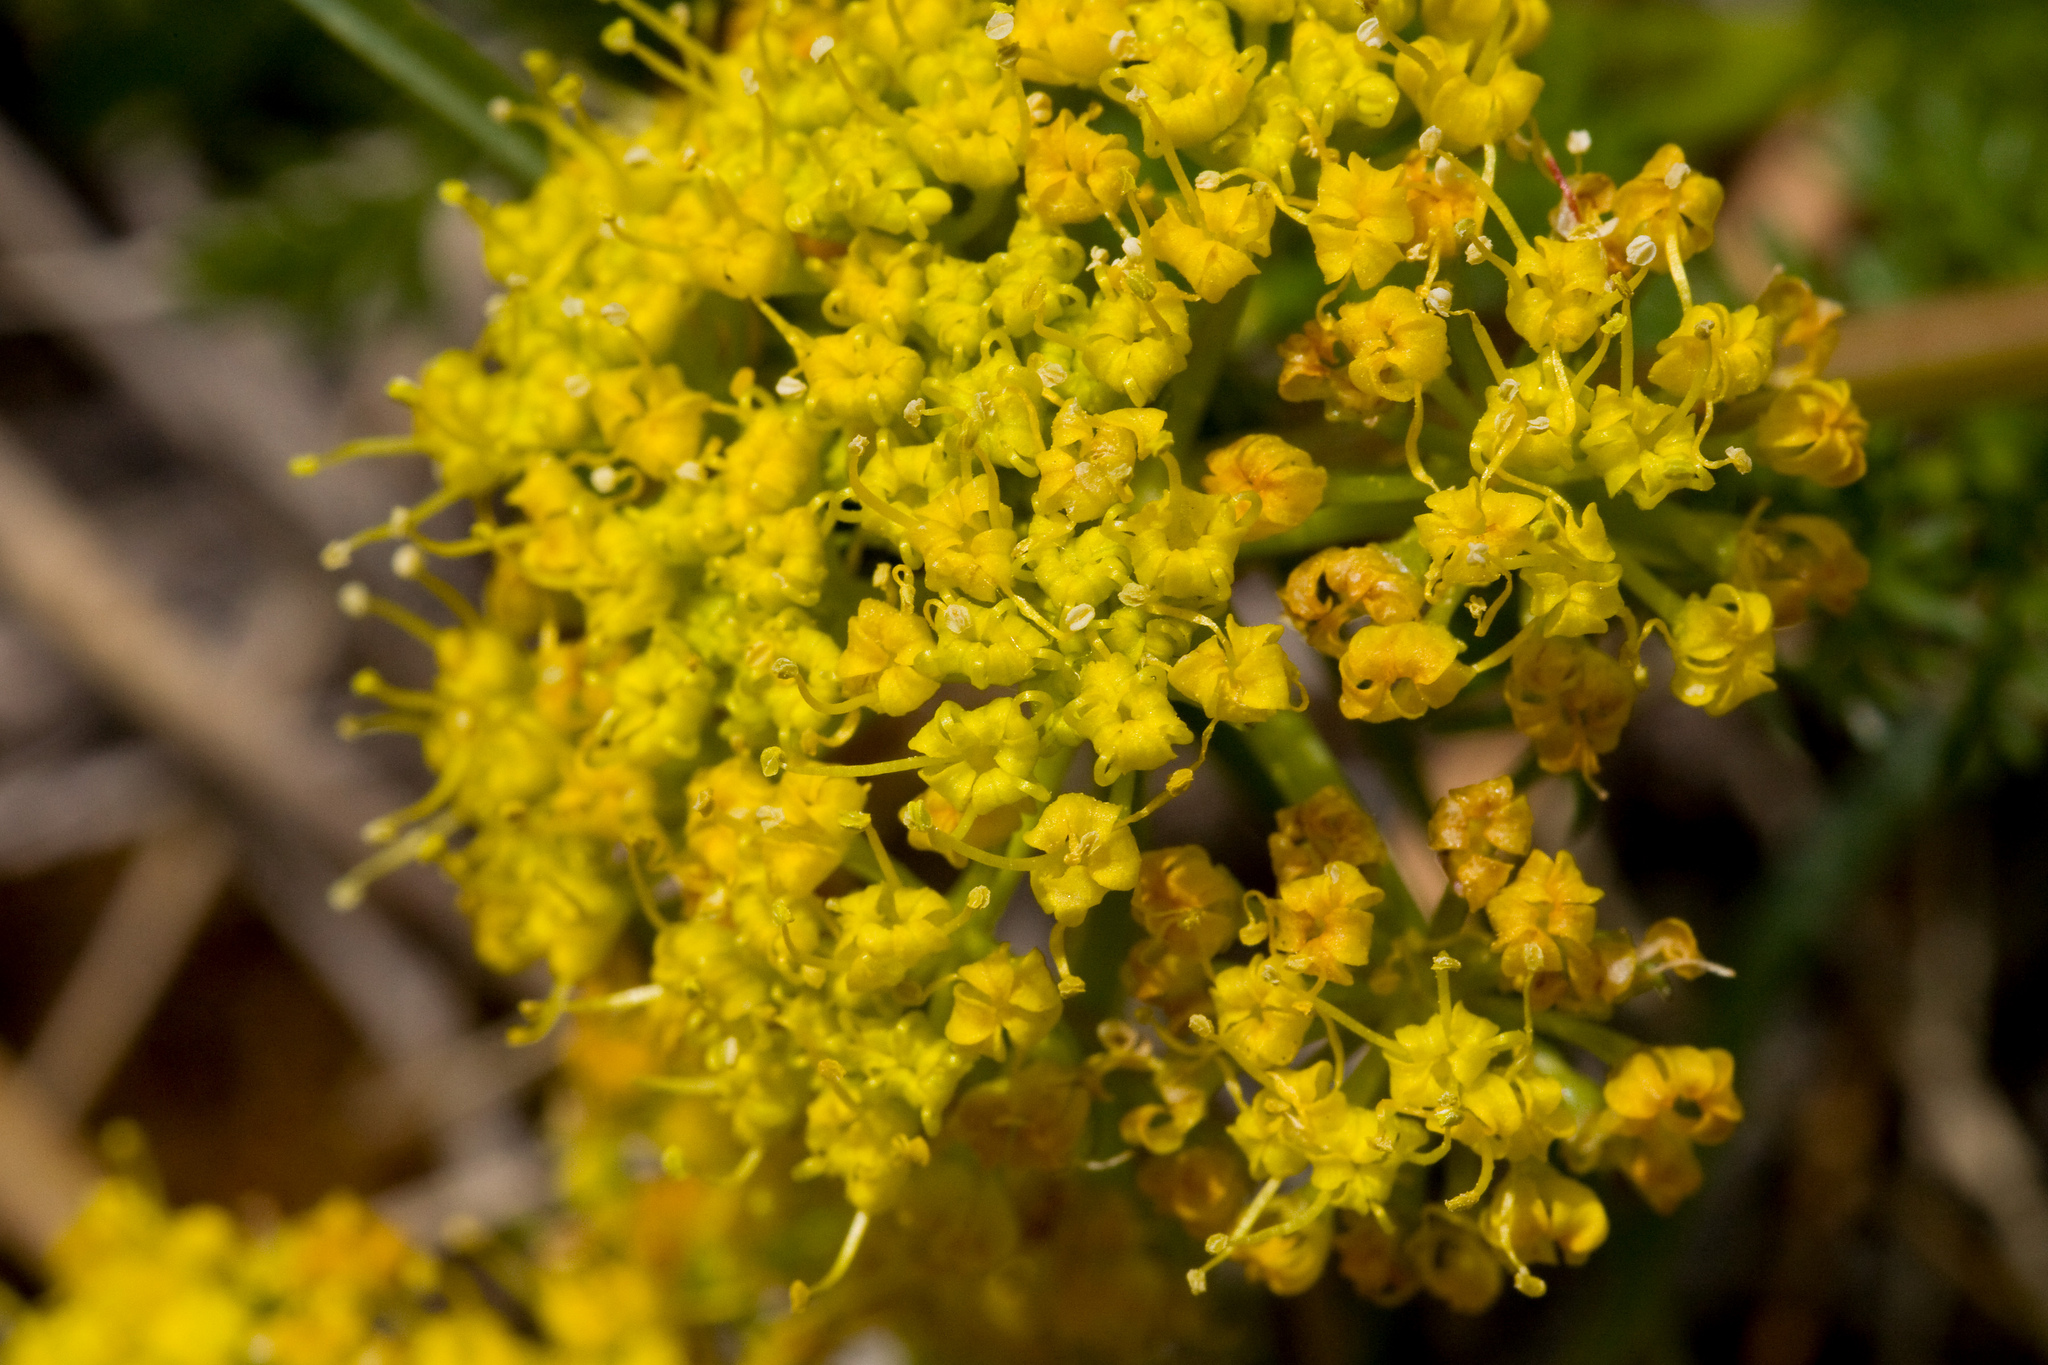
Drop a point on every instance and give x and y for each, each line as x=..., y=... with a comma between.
x=437, y=67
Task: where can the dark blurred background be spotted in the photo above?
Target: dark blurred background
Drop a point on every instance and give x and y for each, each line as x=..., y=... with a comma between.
x=219, y=237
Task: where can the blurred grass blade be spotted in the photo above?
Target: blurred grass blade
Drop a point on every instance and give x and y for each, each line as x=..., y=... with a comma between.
x=437, y=67
x=1946, y=352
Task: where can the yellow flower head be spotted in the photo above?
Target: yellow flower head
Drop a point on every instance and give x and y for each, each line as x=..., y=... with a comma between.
x=1401, y=671
x=1482, y=830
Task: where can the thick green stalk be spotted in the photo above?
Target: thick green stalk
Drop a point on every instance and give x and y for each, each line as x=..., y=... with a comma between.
x=437, y=67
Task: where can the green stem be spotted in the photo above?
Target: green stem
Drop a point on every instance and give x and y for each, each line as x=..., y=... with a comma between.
x=437, y=67
x=1446, y=611
x=1213, y=336
x=1346, y=524
x=1655, y=594
x=1299, y=764
x=1454, y=400
x=1356, y=490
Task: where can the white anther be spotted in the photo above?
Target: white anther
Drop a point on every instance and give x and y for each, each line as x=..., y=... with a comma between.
x=638, y=156
x=747, y=81
x=1209, y=180
x=1641, y=251
x=820, y=48
x=606, y=231
x=1123, y=44
x=770, y=816
x=354, y=599
x=1097, y=257
x=1133, y=594
x=1431, y=139
x=1475, y=552
x=552, y=674
x=1051, y=375
x=1137, y=95
x=790, y=386
x=1473, y=255
x=858, y=445
x=336, y=554
x=604, y=478
x=913, y=411
x=1674, y=177
x=956, y=618
x=1578, y=142
x=407, y=561
x=500, y=110
x=399, y=520
x=1040, y=105
x=1441, y=170
x=1510, y=390
x=1539, y=424
x=615, y=314
x=1369, y=33
x=689, y=471
x=1739, y=457
x=1078, y=618
x=1440, y=300
x=732, y=1051
x=1133, y=247
x=572, y=307
x=577, y=386
x=1000, y=25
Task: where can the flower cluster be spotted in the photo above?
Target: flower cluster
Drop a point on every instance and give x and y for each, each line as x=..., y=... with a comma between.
x=1364, y=1086
x=861, y=376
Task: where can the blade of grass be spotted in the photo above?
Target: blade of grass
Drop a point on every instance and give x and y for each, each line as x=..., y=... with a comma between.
x=437, y=67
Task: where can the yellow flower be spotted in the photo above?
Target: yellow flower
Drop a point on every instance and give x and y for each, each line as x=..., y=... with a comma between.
x=1003, y=995
x=1814, y=430
x=1470, y=107
x=1262, y=1013
x=1481, y=830
x=1687, y=1091
x=1558, y=293
x=1361, y=223
x=1798, y=560
x=1073, y=174
x=1401, y=671
x=1242, y=675
x=1333, y=587
x=1398, y=347
x=1723, y=648
x=1570, y=699
x=1472, y=533
x=1324, y=923
x=1540, y=1216
x=1328, y=827
x=1088, y=854
x=1543, y=925
x=1643, y=446
x=1714, y=354
x=1287, y=479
